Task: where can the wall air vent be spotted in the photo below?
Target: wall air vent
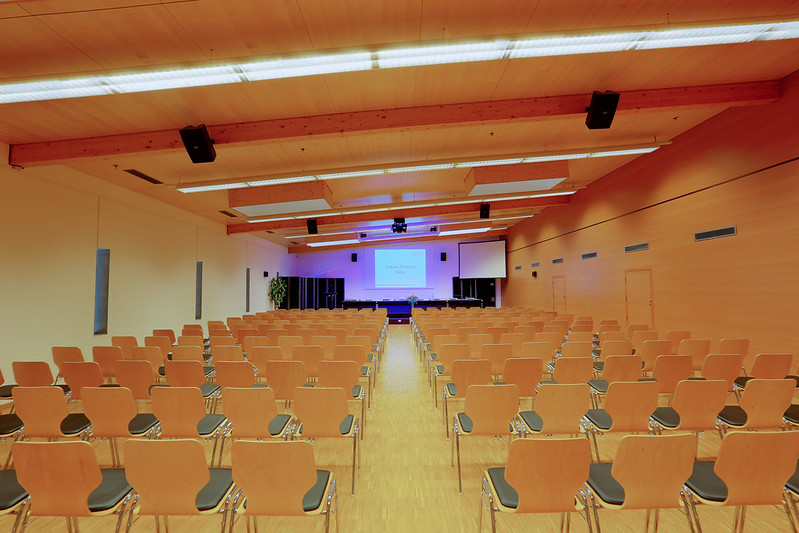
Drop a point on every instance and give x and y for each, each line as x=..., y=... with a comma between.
x=228, y=214
x=142, y=175
x=535, y=265
x=517, y=267
x=715, y=233
x=640, y=247
x=292, y=242
x=589, y=255
x=558, y=260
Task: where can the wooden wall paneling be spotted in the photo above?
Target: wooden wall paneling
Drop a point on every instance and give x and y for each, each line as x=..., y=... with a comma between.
x=638, y=297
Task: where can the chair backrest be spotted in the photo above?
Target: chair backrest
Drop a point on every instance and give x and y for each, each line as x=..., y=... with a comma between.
x=612, y=335
x=227, y=353
x=756, y=465
x=562, y=407
x=79, y=375
x=539, y=350
x=576, y=349
x=725, y=367
x=526, y=372
x=137, y=376
x=321, y=410
x=187, y=353
x=169, y=333
x=615, y=348
x=639, y=337
x=350, y=352
x=466, y=372
x=274, y=476
x=107, y=357
x=606, y=328
x=573, y=370
x=161, y=342
x=244, y=332
x=41, y=409
x=632, y=328
x=476, y=341
x=546, y=474
x=311, y=355
x=491, y=408
x=653, y=468
x=697, y=349
x=126, y=342
x=736, y=346
x=59, y=476
x=259, y=355
x=287, y=344
x=622, y=368
x=62, y=354
x=767, y=365
x=110, y=410
x=650, y=350
x=550, y=337
x=698, y=402
x=765, y=401
x=447, y=353
x=670, y=370
x=249, y=411
x=497, y=354
x=32, y=373
x=676, y=337
x=252, y=341
x=152, y=354
x=343, y=374
x=234, y=373
x=190, y=340
x=184, y=373
x=166, y=474
x=630, y=404
x=581, y=336
x=327, y=342
x=179, y=409
x=284, y=377
x=496, y=332
x=515, y=340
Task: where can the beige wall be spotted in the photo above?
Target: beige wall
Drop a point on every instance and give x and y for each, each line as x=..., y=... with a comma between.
x=742, y=286
x=53, y=220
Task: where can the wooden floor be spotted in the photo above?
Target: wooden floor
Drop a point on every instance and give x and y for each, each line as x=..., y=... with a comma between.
x=406, y=482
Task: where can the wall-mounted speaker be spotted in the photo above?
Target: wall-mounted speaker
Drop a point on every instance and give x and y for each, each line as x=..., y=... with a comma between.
x=485, y=210
x=535, y=273
x=198, y=144
x=266, y=274
x=354, y=258
x=443, y=256
x=312, y=228
x=601, y=110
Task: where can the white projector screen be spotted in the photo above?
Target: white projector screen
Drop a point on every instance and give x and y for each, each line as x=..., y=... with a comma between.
x=482, y=259
x=400, y=268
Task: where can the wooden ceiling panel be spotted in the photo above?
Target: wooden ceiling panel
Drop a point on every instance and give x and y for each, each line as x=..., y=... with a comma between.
x=464, y=19
x=360, y=91
x=464, y=82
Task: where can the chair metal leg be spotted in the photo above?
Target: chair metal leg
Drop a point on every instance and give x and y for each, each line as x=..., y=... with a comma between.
x=458, y=452
x=446, y=413
x=687, y=511
x=785, y=498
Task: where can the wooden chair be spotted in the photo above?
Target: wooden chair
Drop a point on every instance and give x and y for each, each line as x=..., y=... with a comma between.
x=193, y=353
x=239, y=374
x=44, y=412
x=252, y=414
x=464, y=373
x=171, y=478
x=168, y=333
x=616, y=368
x=13, y=497
x=765, y=366
x=79, y=375
x=188, y=373
x=227, y=353
x=311, y=356
x=182, y=414
x=113, y=414
x=611, y=347
x=670, y=370
x=650, y=350
x=695, y=407
x=526, y=372
x=276, y=479
x=442, y=366
x=35, y=374
x=560, y=409
x=345, y=375
x=573, y=370
x=497, y=354
x=725, y=367
x=357, y=353
x=64, y=479
x=284, y=377
x=544, y=476
x=126, y=342
x=639, y=337
x=10, y=428
x=322, y=412
x=328, y=344
x=632, y=328
x=137, y=376
x=627, y=408
x=107, y=357
x=751, y=469
x=5, y=389
x=538, y=350
x=651, y=470
x=476, y=341
x=488, y=410
x=62, y=354
x=697, y=349
x=763, y=403
x=676, y=337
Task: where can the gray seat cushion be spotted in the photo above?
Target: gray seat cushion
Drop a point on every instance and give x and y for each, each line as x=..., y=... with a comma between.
x=705, y=483
x=505, y=493
x=346, y=424
x=666, y=417
x=741, y=381
x=209, y=423
x=11, y=492
x=74, y=423
x=214, y=491
x=278, y=424
x=9, y=423
x=465, y=422
x=600, y=418
x=452, y=389
x=599, y=385
x=792, y=414
x=142, y=423
x=111, y=491
x=313, y=498
x=604, y=484
x=732, y=415
x=793, y=483
x=532, y=420
x=208, y=389
x=5, y=390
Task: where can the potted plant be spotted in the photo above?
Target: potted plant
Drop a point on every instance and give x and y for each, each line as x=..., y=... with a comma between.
x=277, y=291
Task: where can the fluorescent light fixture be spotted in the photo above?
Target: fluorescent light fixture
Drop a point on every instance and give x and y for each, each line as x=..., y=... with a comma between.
x=272, y=219
x=462, y=231
x=332, y=243
x=338, y=62
x=420, y=168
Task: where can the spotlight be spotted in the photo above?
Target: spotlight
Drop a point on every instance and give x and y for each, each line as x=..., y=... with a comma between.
x=363, y=235
x=399, y=226
x=433, y=228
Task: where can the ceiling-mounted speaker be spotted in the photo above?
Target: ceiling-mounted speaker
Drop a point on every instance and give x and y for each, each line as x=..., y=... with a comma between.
x=601, y=110
x=485, y=210
x=198, y=144
x=312, y=228
x=354, y=257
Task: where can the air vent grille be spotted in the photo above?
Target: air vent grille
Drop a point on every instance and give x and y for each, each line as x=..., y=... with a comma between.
x=558, y=260
x=640, y=247
x=228, y=214
x=517, y=267
x=589, y=255
x=142, y=175
x=716, y=233
x=535, y=265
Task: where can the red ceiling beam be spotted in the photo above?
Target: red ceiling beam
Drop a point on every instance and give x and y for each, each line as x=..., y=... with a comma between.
x=390, y=242
x=436, y=116
x=409, y=212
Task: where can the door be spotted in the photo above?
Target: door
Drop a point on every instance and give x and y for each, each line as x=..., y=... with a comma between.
x=559, y=294
x=638, y=297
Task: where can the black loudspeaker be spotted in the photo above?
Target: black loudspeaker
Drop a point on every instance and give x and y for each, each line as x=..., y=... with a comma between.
x=443, y=256
x=312, y=229
x=601, y=110
x=485, y=210
x=266, y=274
x=198, y=144
x=354, y=258
x=535, y=273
